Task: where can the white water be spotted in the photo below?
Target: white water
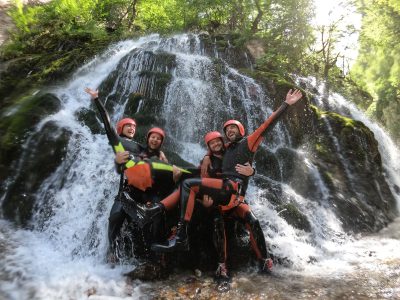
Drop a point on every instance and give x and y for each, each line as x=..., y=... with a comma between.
x=62, y=257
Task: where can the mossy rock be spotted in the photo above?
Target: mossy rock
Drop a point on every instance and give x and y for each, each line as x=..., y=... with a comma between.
x=132, y=105
x=268, y=164
x=294, y=217
x=48, y=57
x=270, y=190
x=297, y=174
x=89, y=118
x=19, y=121
x=43, y=155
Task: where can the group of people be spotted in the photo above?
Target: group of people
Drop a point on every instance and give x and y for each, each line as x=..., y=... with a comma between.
x=220, y=183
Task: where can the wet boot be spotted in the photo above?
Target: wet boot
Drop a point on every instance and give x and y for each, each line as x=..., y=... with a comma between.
x=222, y=278
x=149, y=212
x=266, y=266
x=221, y=274
x=180, y=242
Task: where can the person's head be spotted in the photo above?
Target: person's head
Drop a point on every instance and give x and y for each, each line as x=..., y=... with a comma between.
x=155, y=138
x=214, y=142
x=126, y=127
x=233, y=130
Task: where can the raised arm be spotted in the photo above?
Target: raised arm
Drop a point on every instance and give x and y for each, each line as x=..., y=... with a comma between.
x=110, y=131
x=257, y=136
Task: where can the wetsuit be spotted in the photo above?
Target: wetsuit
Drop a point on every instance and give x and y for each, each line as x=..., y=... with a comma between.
x=140, y=174
x=230, y=190
x=240, y=212
x=149, y=175
x=118, y=214
x=227, y=192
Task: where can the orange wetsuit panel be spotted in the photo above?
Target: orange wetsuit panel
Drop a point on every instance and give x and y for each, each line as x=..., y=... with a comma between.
x=139, y=176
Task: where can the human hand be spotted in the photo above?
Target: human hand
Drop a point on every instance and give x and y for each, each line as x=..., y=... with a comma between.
x=293, y=96
x=205, y=164
x=246, y=169
x=176, y=173
x=93, y=93
x=121, y=157
x=207, y=201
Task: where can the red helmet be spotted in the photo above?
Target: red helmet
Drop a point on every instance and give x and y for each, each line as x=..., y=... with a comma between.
x=123, y=122
x=237, y=123
x=211, y=136
x=156, y=130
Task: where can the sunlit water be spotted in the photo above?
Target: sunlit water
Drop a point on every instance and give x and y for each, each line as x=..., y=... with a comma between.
x=63, y=255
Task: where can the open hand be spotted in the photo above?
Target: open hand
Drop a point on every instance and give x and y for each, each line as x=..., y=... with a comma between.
x=293, y=96
x=93, y=93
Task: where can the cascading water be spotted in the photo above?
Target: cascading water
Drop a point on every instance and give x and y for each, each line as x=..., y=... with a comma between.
x=62, y=256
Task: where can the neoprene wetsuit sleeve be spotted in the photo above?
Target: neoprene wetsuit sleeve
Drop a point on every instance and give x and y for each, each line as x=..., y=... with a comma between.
x=119, y=168
x=254, y=139
x=111, y=134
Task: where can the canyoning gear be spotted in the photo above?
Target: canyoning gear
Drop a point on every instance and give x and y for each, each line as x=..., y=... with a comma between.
x=219, y=237
x=222, y=278
x=115, y=221
x=211, y=136
x=123, y=122
x=131, y=208
x=243, y=150
x=148, y=212
x=221, y=272
x=257, y=238
x=265, y=266
x=221, y=191
x=119, y=144
x=180, y=242
x=215, y=168
x=171, y=201
x=237, y=123
x=156, y=130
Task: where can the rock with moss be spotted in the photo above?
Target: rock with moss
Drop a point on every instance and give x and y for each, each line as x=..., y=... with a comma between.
x=347, y=155
x=294, y=217
x=45, y=150
x=19, y=121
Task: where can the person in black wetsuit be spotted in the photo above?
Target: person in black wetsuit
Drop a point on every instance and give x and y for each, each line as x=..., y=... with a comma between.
x=155, y=139
x=141, y=174
x=212, y=167
x=230, y=190
x=145, y=168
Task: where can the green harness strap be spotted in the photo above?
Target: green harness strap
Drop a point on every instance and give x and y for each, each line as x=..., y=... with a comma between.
x=155, y=165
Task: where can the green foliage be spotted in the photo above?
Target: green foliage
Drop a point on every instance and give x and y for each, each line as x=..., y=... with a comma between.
x=287, y=33
x=160, y=16
x=377, y=68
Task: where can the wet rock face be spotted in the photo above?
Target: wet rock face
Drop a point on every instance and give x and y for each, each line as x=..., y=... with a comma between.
x=342, y=155
x=17, y=123
x=45, y=151
x=343, y=152
x=228, y=47
x=348, y=158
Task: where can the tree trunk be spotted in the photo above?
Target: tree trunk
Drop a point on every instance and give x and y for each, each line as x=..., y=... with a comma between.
x=254, y=26
x=133, y=15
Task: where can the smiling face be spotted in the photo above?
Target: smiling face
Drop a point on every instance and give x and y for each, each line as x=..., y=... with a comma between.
x=216, y=145
x=232, y=132
x=129, y=130
x=154, y=141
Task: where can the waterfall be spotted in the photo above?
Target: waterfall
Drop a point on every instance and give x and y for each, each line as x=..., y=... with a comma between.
x=62, y=254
